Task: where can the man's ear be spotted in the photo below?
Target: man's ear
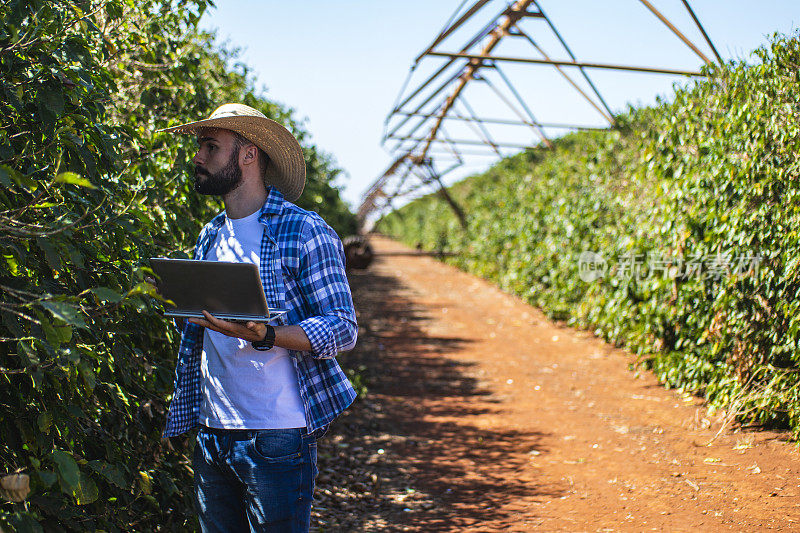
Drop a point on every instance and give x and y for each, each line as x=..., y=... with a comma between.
x=249, y=154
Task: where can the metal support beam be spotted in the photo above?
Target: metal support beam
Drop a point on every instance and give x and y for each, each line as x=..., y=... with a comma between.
x=434, y=151
x=507, y=122
x=482, y=131
x=442, y=36
x=472, y=42
x=606, y=115
x=522, y=103
x=413, y=172
x=428, y=99
x=675, y=30
x=512, y=15
x=462, y=218
x=702, y=30
x=572, y=57
x=451, y=145
x=535, y=126
x=465, y=141
x=578, y=64
x=434, y=176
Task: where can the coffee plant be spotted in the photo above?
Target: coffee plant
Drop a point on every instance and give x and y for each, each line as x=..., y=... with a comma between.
x=89, y=192
x=693, y=207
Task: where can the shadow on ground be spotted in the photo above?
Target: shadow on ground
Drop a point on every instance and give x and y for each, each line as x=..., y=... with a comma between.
x=397, y=460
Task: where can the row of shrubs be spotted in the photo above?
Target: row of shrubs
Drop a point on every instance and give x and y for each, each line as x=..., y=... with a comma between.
x=88, y=192
x=689, y=214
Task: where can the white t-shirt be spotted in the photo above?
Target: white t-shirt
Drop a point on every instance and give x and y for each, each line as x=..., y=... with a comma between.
x=244, y=388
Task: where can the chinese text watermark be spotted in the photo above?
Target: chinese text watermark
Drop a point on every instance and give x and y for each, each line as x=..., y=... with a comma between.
x=592, y=266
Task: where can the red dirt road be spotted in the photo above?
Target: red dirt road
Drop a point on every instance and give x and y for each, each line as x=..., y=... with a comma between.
x=482, y=415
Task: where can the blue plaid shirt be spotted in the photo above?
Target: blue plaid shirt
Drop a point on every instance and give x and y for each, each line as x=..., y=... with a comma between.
x=302, y=270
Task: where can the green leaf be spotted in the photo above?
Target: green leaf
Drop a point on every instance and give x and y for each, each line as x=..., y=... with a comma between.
x=104, y=294
x=50, y=332
x=48, y=477
x=111, y=472
x=68, y=470
x=143, y=288
x=87, y=373
x=145, y=482
x=148, y=289
x=74, y=179
x=168, y=485
x=6, y=150
x=114, y=10
x=67, y=312
x=45, y=420
x=50, y=253
x=86, y=492
x=76, y=411
x=5, y=180
x=28, y=353
x=25, y=523
x=11, y=262
x=64, y=333
x=53, y=101
x=25, y=181
x=37, y=378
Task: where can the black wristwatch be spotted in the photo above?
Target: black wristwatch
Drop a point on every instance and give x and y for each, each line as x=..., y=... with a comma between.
x=267, y=342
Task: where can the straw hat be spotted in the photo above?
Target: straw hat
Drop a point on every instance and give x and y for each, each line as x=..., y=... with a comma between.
x=287, y=167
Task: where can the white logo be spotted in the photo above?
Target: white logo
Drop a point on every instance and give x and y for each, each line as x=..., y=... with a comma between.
x=591, y=266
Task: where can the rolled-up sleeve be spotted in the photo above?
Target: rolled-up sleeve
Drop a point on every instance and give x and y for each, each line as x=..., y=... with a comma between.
x=331, y=325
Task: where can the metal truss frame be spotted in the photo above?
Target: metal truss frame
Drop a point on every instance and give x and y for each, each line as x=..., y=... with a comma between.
x=420, y=145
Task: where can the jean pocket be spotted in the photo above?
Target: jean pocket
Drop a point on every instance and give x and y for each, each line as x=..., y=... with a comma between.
x=276, y=445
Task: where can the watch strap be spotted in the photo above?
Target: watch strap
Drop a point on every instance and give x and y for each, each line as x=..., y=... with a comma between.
x=267, y=342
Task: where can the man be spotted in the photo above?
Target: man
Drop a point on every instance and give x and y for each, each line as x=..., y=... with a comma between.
x=262, y=395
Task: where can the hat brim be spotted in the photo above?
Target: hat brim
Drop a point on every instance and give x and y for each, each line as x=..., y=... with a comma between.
x=287, y=166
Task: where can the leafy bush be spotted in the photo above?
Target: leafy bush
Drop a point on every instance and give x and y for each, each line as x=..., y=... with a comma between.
x=713, y=177
x=87, y=193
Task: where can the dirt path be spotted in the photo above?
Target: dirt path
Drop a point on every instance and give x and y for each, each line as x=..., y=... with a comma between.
x=482, y=415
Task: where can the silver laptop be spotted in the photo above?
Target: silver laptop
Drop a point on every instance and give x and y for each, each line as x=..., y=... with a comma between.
x=230, y=291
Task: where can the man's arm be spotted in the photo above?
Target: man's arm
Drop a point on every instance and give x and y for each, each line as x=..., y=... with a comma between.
x=289, y=337
x=331, y=326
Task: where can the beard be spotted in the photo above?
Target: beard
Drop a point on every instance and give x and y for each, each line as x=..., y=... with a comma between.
x=222, y=182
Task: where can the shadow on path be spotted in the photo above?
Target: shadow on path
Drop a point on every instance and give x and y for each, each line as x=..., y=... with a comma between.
x=403, y=457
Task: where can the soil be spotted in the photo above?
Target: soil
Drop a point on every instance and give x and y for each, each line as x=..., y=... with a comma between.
x=483, y=415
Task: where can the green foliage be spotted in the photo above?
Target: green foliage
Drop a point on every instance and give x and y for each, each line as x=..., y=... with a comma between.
x=714, y=171
x=87, y=194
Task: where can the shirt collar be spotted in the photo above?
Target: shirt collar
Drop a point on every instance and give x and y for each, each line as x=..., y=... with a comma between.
x=273, y=205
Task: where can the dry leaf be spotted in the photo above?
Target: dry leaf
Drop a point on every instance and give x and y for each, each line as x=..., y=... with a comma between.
x=15, y=487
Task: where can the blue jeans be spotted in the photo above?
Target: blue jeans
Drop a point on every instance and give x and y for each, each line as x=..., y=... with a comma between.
x=257, y=480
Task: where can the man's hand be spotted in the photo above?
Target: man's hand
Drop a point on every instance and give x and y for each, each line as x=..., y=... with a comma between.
x=251, y=331
x=289, y=337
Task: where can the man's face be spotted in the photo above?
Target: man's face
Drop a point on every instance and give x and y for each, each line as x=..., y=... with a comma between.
x=216, y=164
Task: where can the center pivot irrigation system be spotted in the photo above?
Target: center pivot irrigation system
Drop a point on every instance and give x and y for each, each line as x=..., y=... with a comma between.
x=418, y=125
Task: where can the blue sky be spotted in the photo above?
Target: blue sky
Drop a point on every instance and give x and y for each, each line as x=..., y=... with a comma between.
x=341, y=64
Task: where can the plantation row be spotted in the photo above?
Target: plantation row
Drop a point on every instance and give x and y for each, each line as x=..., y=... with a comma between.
x=88, y=192
x=674, y=235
